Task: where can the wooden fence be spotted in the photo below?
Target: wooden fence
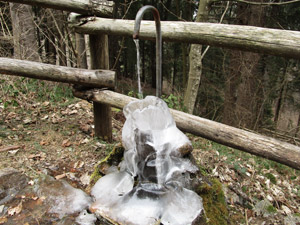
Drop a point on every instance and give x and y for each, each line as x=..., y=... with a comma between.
x=270, y=41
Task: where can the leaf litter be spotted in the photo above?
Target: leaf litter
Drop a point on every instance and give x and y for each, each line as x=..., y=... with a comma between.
x=61, y=144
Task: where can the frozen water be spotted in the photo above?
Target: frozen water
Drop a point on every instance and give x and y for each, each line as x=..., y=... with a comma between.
x=86, y=218
x=138, y=66
x=62, y=197
x=181, y=207
x=153, y=154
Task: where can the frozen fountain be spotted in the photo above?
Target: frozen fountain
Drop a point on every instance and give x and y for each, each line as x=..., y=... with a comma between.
x=152, y=184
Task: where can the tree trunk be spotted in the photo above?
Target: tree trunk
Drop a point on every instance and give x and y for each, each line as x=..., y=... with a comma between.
x=49, y=35
x=81, y=51
x=244, y=91
x=60, y=21
x=25, y=39
x=195, y=63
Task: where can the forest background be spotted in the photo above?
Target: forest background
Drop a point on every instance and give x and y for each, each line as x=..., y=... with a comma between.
x=242, y=89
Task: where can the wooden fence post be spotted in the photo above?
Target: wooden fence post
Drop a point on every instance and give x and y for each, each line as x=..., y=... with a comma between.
x=102, y=112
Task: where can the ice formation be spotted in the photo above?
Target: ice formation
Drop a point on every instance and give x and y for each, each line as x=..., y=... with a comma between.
x=62, y=197
x=153, y=154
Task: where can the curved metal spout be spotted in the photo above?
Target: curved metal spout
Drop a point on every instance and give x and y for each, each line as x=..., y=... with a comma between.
x=138, y=19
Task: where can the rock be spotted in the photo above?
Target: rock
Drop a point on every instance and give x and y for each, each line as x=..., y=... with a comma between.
x=62, y=198
x=45, y=200
x=264, y=208
x=11, y=183
x=292, y=219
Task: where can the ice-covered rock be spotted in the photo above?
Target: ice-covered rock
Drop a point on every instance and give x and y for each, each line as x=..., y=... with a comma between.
x=86, y=218
x=153, y=154
x=62, y=198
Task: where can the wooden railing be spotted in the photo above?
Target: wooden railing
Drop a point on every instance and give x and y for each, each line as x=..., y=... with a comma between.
x=270, y=41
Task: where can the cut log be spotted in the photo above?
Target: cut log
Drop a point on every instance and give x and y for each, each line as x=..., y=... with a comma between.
x=88, y=78
x=256, y=144
x=248, y=38
x=86, y=7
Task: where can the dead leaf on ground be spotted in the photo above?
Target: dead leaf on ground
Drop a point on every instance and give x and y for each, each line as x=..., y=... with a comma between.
x=66, y=143
x=34, y=156
x=13, y=152
x=27, y=121
x=73, y=112
x=3, y=220
x=60, y=176
x=46, y=103
x=16, y=210
x=44, y=142
x=45, y=117
x=78, y=164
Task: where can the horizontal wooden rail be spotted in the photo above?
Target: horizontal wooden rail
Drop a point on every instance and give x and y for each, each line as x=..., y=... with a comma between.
x=85, y=7
x=256, y=144
x=88, y=78
x=248, y=38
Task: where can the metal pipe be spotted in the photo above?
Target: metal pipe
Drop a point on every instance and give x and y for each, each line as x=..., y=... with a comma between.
x=138, y=19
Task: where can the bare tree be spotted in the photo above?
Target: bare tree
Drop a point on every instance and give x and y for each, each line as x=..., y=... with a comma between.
x=244, y=86
x=24, y=32
x=195, y=63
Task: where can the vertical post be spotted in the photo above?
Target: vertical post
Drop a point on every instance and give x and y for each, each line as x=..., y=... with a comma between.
x=100, y=60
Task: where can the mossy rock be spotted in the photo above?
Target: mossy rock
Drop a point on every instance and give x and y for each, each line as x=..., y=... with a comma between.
x=112, y=159
x=214, y=203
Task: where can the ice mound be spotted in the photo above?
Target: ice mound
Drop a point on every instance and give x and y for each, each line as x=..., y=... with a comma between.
x=154, y=150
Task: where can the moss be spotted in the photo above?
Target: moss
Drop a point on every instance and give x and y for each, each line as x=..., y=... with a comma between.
x=271, y=209
x=271, y=177
x=213, y=202
x=112, y=159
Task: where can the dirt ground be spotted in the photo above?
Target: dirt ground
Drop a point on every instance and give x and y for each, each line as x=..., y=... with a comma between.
x=56, y=138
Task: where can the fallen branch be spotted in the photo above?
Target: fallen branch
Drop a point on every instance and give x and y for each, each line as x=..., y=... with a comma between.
x=10, y=148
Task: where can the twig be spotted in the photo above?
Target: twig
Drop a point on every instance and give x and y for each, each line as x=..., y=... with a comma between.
x=179, y=17
x=9, y=148
x=221, y=20
x=119, y=54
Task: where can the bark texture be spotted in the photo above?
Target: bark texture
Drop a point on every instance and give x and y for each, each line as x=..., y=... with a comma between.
x=88, y=78
x=244, y=93
x=102, y=112
x=24, y=33
x=195, y=63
